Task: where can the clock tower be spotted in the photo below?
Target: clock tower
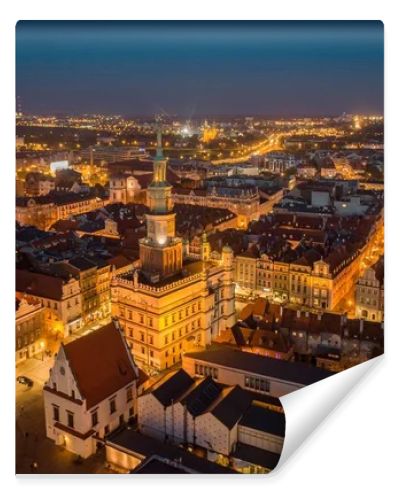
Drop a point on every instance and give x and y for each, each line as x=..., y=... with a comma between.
x=160, y=250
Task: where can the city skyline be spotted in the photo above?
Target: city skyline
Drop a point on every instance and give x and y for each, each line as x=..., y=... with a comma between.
x=199, y=68
x=176, y=277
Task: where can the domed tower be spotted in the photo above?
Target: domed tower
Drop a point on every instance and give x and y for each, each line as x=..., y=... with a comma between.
x=161, y=250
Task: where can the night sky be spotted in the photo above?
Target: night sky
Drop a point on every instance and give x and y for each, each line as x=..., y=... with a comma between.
x=200, y=68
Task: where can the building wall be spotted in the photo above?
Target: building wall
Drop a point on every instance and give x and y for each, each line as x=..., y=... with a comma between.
x=63, y=317
x=151, y=416
x=121, y=460
x=29, y=330
x=231, y=376
x=315, y=286
x=64, y=393
x=245, y=207
x=369, y=297
x=159, y=327
x=260, y=439
x=213, y=435
x=43, y=216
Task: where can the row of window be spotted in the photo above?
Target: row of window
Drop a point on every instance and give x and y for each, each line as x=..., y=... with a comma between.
x=368, y=291
x=189, y=327
x=94, y=414
x=23, y=341
x=256, y=383
x=368, y=301
x=29, y=325
x=206, y=371
x=196, y=307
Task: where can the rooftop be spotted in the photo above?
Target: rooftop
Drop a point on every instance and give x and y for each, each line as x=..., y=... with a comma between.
x=101, y=364
x=295, y=372
x=145, y=446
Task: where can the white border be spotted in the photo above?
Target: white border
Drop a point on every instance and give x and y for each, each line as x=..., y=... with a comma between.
x=354, y=452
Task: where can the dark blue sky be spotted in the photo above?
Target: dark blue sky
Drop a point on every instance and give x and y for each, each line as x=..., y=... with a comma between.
x=200, y=68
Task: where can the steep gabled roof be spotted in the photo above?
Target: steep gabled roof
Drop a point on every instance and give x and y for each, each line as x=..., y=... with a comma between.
x=200, y=396
x=171, y=387
x=231, y=405
x=101, y=364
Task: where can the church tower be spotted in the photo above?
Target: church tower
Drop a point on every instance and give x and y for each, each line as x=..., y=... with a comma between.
x=161, y=250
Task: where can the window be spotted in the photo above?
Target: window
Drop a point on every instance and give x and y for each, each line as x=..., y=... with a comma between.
x=56, y=413
x=257, y=384
x=113, y=406
x=70, y=419
x=95, y=418
x=129, y=394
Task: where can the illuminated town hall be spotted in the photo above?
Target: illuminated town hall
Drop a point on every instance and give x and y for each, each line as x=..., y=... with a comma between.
x=175, y=302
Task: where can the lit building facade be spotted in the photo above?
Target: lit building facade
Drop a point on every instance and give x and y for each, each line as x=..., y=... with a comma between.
x=370, y=293
x=29, y=328
x=173, y=303
x=123, y=188
x=60, y=297
x=44, y=211
x=244, y=203
x=88, y=395
x=320, y=285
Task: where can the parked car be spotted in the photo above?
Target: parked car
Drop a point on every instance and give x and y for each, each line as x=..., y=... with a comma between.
x=25, y=380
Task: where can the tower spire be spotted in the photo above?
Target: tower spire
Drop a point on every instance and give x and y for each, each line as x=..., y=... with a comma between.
x=159, y=151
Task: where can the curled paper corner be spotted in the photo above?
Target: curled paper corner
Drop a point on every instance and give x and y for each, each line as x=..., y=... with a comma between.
x=306, y=408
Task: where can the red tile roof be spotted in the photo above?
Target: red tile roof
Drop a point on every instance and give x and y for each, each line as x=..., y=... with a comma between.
x=101, y=364
x=38, y=284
